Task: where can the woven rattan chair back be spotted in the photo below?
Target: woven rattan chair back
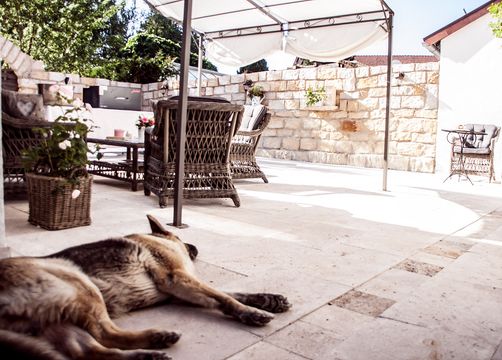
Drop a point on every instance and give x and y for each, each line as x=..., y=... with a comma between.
x=18, y=135
x=243, y=163
x=209, y=131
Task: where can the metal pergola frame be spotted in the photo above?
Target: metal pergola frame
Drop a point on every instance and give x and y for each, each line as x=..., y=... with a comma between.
x=387, y=15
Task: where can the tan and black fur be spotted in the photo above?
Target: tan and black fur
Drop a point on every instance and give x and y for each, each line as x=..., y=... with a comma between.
x=60, y=306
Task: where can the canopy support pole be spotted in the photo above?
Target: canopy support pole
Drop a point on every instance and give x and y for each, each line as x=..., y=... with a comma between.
x=199, y=65
x=181, y=114
x=387, y=109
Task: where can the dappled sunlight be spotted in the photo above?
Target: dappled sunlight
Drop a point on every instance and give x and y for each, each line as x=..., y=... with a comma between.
x=415, y=211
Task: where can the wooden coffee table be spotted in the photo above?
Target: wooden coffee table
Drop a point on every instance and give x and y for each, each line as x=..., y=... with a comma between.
x=124, y=167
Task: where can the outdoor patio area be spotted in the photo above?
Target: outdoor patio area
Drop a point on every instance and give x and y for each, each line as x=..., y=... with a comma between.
x=413, y=273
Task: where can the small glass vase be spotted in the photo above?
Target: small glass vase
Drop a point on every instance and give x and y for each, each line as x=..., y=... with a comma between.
x=141, y=134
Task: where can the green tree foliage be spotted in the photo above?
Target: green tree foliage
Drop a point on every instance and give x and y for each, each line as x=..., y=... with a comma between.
x=92, y=38
x=144, y=59
x=260, y=65
x=157, y=24
x=496, y=11
x=65, y=35
x=118, y=30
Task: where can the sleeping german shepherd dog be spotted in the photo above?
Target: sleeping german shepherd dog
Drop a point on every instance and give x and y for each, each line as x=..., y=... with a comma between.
x=60, y=306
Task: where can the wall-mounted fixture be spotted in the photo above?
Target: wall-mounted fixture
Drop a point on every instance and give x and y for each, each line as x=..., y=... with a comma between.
x=400, y=76
x=248, y=84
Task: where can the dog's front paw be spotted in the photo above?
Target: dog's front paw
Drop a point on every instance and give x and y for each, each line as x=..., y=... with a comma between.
x=163, y=339
x=150, y=355
x=273, y=303
x=255, y=317
x=276, y=303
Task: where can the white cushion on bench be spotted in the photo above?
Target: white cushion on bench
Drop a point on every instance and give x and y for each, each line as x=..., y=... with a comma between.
x=250, y=116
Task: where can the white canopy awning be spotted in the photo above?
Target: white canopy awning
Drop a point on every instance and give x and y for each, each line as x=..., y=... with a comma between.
x=240, y=32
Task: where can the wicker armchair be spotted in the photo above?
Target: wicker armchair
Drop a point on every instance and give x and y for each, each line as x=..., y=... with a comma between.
x=243, y=163
x=477, y=152
x=20, y=114
x=210, y=127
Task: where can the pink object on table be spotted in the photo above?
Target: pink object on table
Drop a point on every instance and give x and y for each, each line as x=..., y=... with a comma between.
x=118, y=133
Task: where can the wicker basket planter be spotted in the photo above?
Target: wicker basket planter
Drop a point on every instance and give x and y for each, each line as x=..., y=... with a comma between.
x=52, y=205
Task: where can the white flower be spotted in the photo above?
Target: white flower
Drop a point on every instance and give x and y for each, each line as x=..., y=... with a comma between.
x=77, y=136
x=64, y=144
x=75, y=194
x=78, y=103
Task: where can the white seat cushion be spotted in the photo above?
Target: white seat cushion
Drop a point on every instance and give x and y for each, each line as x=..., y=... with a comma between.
x=250, y=116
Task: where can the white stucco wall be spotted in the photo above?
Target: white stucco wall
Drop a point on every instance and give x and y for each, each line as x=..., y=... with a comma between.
x=470, y=87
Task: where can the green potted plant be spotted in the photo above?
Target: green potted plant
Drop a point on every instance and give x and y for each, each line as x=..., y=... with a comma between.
x=59, y=187
x=315, y=96
x=256, y=94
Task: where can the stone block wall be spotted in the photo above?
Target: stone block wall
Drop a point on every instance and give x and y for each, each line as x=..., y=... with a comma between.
x=348, y=129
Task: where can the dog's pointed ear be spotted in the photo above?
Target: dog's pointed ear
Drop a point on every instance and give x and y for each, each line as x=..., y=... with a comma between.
x=156, y=226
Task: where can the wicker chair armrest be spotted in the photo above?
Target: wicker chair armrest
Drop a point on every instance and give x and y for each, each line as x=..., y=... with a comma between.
x=24, y=123
x=251, y=133
x=492, y=143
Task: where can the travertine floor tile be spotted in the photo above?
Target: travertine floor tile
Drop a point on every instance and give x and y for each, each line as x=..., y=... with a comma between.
x=418, y=267
x=308, y=340
x=341, y=322
x=394, y=284
x=363, y=303
x=448, y=248
x=385, y=339
x=264, y=350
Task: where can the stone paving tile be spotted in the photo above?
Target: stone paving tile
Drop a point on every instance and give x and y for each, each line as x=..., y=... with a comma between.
x=205, y=335
x=476, y=269
x=363, y=303
x=394, y=284
x=384, y=339
x=341, y=322
x=466, y=309
x=304, y=292
x=498, y=353
x=431, y=259
x=308, y=340
x=448, y=248
x=216, y=276
x=343, y=264
x=418, y=267
x=264, y=350
x=491, y=223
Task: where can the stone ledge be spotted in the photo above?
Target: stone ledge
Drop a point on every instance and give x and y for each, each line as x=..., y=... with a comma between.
x=320, y=108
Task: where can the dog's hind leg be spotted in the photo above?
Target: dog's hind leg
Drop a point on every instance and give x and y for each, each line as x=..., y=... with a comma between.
x=110, y=335
x=273, y=303
x=77, y=344
x=87, y=310
x=188, y=288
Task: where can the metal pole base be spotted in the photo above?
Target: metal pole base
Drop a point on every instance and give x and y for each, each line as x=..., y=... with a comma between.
x=182, y=226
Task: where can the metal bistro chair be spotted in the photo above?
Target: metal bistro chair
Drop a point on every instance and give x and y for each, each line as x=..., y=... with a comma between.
x=210, y=128
x=477, y=151
x=243, y=163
